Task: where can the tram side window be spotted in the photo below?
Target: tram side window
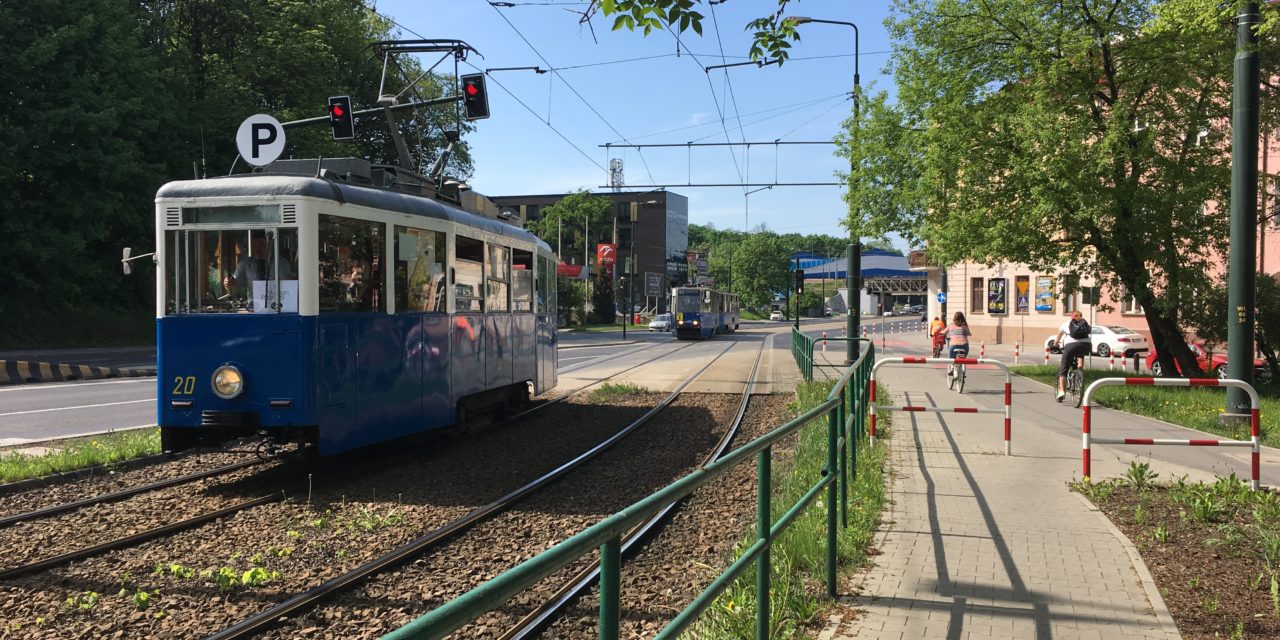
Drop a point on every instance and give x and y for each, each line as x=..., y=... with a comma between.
x=498, y=278
x=468, y=274
x=545, y=282
x=419, y=270
x=351, y=275
x=230, y=271
x=521, y=281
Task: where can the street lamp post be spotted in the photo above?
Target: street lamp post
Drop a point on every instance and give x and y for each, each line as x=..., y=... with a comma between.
x=853, y=256
x=1244, y=215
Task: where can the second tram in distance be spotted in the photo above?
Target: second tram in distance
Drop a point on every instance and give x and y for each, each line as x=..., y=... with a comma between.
x=701, y=312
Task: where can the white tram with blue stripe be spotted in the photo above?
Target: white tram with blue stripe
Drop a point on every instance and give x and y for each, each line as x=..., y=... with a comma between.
x=316, y=310
x=701, y=312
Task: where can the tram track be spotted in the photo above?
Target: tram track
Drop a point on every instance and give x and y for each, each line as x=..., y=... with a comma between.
x=582, y=581
x=32, y=573
x=433, y=539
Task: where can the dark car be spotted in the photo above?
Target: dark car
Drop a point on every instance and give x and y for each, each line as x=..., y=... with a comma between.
x=1218, y=365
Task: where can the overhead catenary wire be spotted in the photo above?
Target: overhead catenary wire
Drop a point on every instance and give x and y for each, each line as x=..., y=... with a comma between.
x=571, y=87
x=514, y=97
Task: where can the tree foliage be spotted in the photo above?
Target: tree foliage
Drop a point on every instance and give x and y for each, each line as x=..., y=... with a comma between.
x=1061, y=135
x=571, y=218
x=106, y=101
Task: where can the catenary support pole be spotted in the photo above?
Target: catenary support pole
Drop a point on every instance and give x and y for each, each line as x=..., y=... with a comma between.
x=1244, y=216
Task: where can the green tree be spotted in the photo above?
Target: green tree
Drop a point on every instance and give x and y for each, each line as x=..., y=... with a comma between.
x=1203, y=313
x=602, y=298
x=1068, y=137
x=760, y=269
x=570, y=218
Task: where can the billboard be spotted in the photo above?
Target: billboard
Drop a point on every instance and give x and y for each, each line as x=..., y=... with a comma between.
x=997, y=296
x=606, y=254
x=1044, y=293
x=652, y=284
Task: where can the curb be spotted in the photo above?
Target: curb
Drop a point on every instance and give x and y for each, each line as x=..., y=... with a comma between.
x=22, y=371
x=1154, y=598
x=600, y=344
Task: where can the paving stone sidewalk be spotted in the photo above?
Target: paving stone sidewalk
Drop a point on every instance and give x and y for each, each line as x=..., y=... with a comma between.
x=979, y=545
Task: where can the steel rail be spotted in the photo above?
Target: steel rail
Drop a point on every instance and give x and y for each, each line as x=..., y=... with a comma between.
x=125, y=493
x=252, y=625
x=579, y=583
x=128, y=541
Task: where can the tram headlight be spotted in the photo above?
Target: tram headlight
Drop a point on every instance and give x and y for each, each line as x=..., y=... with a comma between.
x=227, y=382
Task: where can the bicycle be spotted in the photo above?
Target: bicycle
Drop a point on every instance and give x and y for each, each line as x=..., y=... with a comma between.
x=955, y=374
x=1075, y=381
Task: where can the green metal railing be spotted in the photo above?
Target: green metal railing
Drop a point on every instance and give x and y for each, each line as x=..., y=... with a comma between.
x=802, y=347
x=846, y=411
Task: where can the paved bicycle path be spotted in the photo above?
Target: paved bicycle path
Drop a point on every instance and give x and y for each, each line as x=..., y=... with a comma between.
x=979, y=545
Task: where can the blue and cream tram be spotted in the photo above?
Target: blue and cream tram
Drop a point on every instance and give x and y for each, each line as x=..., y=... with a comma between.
x=321, y=312
x=701, y=312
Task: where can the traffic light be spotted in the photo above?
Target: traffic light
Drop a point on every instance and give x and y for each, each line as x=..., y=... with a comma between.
x=340, y=119
x=799, y=281
x=474, y=96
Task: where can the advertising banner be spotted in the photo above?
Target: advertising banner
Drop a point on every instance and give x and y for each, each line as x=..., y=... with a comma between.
x=652, y=284
x=997, y=296
x=606, y=254
x=1044, y=293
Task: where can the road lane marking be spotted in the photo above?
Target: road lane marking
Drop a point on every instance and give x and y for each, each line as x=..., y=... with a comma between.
x=71, y=383
x=85, y=406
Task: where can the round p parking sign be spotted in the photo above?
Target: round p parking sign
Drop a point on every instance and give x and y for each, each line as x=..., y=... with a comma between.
x=260, y=139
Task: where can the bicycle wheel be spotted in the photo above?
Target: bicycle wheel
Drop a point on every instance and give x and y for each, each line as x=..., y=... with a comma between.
x=960, y=380
x=1075, y=382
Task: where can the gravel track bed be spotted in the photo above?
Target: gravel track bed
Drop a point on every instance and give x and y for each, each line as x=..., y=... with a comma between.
x=691, y=549
x=668, y=447
x=357, y=507
x=65, y=491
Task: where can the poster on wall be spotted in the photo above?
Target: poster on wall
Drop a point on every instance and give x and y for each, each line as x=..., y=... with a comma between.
x=1044, y=293
x=997, y=296
x=1022, y=294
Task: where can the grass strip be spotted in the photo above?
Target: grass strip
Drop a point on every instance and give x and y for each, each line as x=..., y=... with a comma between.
x=799, y=555
x=608, y=390
x=113, y=447
x=1192, y=407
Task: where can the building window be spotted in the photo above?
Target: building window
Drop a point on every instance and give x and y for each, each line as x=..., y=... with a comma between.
x=1070, y=293
x=977, y=291
x=1022, y=294
x=1130, y=305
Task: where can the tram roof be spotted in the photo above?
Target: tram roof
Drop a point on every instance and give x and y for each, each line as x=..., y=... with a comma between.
x=301, y=186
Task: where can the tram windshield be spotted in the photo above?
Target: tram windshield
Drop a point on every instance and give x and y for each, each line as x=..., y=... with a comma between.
x=231, y=271
x=688, y=301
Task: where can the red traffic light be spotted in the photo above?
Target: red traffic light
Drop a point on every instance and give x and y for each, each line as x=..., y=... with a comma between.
x=337, y=110
x=471, y=89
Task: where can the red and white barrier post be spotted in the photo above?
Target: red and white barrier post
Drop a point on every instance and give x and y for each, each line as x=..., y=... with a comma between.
x=824, y=341
x=982, y=349
x=1016, y=346
x=1111, y=362
x=1254, y=442
x=1046, y=355
x=1007, y=411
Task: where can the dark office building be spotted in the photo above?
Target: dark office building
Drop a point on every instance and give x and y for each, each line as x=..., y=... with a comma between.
x=658, y=237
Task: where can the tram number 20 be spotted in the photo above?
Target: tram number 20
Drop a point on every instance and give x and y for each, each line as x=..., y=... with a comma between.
x=184, y=385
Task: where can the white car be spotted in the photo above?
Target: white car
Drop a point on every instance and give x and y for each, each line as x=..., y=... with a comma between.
x=776, y=315
x=660, y=322
x=1107, y=340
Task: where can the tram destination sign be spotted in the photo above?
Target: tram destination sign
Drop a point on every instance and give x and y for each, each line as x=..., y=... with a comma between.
x=260, y=139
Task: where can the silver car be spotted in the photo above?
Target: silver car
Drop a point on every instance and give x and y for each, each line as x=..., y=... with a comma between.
x=660, y=322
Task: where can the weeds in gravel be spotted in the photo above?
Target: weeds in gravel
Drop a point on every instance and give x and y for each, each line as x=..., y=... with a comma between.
x=1161, y=534
x=1096, y=492
x=83, y=601
x=608, y=390
x=114, y=447
x=799, y=554
x=368, y=519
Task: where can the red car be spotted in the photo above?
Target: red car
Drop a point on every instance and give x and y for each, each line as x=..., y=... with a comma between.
x=1219, y=365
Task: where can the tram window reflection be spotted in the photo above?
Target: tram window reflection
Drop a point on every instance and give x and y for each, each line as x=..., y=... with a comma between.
x=419, y=270
x=521, y=281
x=468, y=274
x=350, y=270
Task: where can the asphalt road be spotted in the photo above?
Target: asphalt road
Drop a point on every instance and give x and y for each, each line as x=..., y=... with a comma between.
x=41, y=411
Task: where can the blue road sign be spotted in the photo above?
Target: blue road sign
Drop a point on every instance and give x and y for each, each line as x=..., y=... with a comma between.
x=942, y=296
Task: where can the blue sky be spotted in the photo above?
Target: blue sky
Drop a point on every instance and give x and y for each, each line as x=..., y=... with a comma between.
x=664, y=98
